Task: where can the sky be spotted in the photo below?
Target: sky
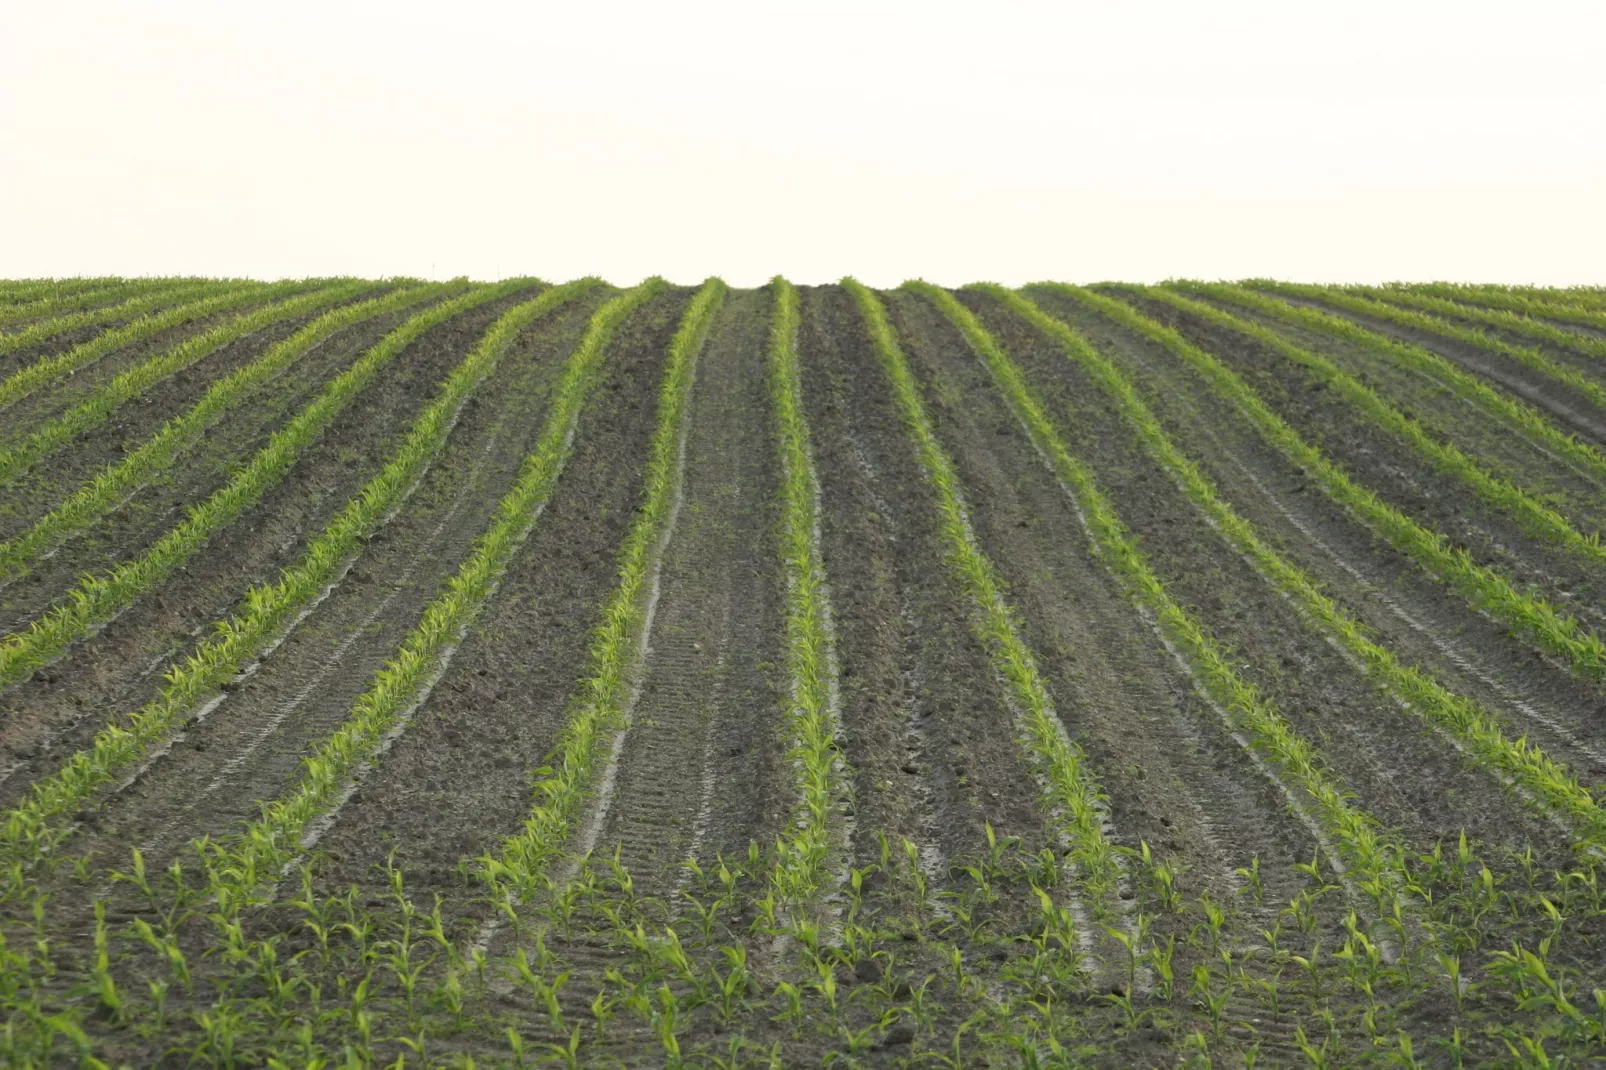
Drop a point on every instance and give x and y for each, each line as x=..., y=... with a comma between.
x=1009, y=141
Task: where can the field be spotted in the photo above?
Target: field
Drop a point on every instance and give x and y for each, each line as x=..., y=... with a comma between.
x=417, y=673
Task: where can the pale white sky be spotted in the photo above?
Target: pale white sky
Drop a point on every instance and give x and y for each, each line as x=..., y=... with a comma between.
x=1361, y=140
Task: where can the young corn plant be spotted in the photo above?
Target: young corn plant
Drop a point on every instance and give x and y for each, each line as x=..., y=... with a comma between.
x=814, y=721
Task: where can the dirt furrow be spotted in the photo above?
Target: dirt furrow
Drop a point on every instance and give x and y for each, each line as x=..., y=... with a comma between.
x=1175, y=780
x=42, y=488
x=53, y=398
x=926, y=723
x=456, y=783
x=57, y=710
x=249, y=745
x=700, y=773
x=1576, y=489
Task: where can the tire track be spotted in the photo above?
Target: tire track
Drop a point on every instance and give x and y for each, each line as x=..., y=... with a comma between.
x=697, y=774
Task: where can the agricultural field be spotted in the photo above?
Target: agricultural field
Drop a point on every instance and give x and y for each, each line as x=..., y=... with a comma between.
x=408, y=673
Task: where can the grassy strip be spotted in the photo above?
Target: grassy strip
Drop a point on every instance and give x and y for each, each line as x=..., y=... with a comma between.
x=27, y=380
x=1513, y=412
x=813, y=721
x=1535, y=517
x=1585, y=306
x=1530, y=617
x=266, y=609
x=1527, y=356
x=1550, y=784
x=1517, y=323
x=98, y=598
x=238, y=866
x=563, y=781
x=127, y=299
x=114, y=483
x=1072, y=786
x=99, y=406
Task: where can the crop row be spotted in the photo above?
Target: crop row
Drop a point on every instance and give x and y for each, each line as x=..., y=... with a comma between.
x=98, y=598
x=71, y=312
x=1552, y=787
x=54, y=366
x=1584, y=306
x=814, y=729
x=1369, y=304
x=96, y=409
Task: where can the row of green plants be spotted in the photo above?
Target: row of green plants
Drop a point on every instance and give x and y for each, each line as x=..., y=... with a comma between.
x=54, y=366
x=1550, y=785
x=1512, y=412
x=29, y=291
x=99, y=597
x=34, y=829
x=1516, y=323
x=812, y=843
x=1528, y=615
x=1366, y=847
x=1583, y=305
x=1369, y=303
x=236, y=868
x=91, y=307
x=601, y=707
x=114, y=483
x=1077, y=803
x=1532, y=514
x=105, y=400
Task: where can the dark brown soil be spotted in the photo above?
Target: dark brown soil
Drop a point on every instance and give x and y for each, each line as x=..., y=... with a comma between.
x=702, y=771
x=55, y=477
x=56, y=397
